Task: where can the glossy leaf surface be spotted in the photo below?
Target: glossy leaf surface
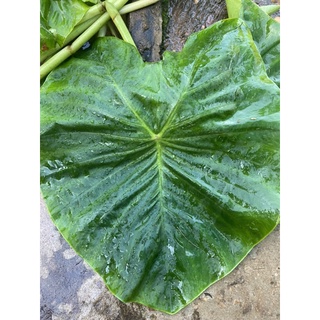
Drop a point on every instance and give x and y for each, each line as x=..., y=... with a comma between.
x=57, y=20
x=265, y=32
x=162, y=176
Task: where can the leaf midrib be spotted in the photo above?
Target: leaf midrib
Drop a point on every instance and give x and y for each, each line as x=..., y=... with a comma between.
x=160, y=177
x=131, y=107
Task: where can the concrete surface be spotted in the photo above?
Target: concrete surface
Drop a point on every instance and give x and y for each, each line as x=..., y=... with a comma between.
x=70, y=290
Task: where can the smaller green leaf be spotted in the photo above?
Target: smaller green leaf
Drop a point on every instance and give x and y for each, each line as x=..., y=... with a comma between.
x=266, y=34
x=57, y=20
x=48, y=41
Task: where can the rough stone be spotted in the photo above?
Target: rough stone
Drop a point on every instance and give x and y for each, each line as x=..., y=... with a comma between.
x=145, y=26
x=70, y=290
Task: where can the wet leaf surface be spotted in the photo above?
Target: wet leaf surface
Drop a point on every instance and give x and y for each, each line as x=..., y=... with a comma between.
x=266, y=34
x=57, y=20
x=162, y=176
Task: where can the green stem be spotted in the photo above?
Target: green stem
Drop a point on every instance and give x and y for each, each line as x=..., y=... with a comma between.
x=93, y=11
x=100, y=8
x=270, y=9
x=100, y=20
x=119, y=23
x=96, y=11
x=81, y=28
x=93, y=14
x=74, y=34
x=69, y=50
x=233, y=8
x=137, y=5
x=112, y=29
x=102, y=32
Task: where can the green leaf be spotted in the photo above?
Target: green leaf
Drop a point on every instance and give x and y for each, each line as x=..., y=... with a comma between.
x=233, y=8
x=270, y=9
x=265, y=32
x=57, y=20
x=48, y=41
x=162, y=176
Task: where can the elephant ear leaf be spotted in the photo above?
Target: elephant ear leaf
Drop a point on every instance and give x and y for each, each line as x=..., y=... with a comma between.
x=162, y=176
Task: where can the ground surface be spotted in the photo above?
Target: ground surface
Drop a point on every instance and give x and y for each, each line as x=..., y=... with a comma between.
x=72, y=291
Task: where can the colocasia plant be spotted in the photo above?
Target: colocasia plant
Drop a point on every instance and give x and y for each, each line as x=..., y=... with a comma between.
x=161, y=176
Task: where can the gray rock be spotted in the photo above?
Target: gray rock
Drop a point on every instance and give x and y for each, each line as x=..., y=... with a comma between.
x=70, y=290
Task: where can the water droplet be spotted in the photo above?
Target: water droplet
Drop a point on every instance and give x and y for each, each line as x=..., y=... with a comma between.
x=171, y=249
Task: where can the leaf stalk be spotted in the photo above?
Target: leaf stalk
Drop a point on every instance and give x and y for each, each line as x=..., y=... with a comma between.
x=90, y=24
x=119, y=23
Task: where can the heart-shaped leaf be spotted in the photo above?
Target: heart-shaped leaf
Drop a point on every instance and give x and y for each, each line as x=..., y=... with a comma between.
x=163, y=176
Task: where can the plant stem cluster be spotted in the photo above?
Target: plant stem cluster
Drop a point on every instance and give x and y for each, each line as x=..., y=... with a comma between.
x=96, y=21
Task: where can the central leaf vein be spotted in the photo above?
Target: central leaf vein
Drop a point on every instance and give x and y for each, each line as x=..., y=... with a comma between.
x=131, y=107
x=160, y=172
